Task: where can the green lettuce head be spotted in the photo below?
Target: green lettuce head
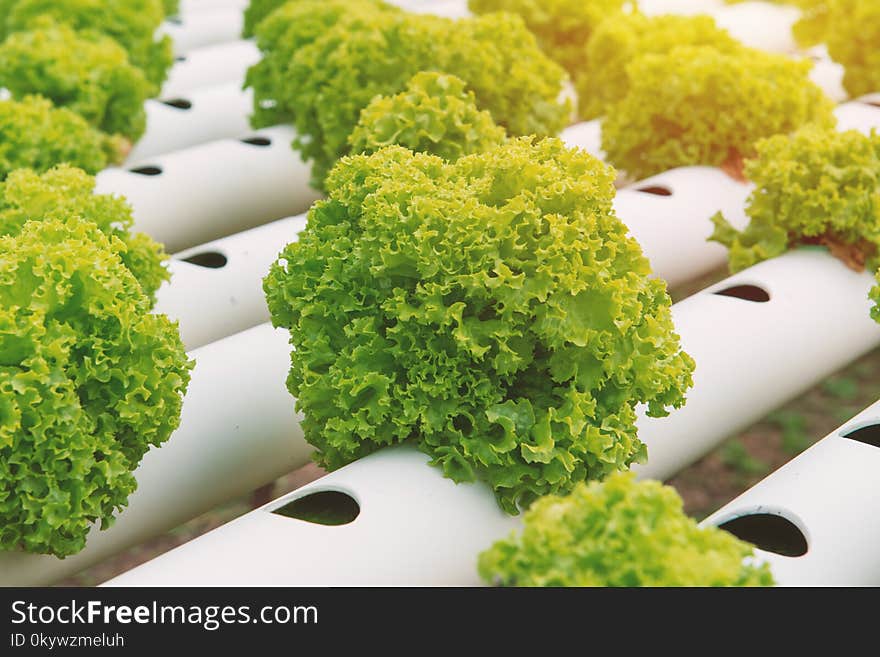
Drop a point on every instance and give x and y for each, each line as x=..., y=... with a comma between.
x=256, y=11
x=620, y=532
x=435, y=114
x=326, y=60
x=35, y=134
x=90, y=379
x=131, y=23
x=65, y=193
x=699, y=106
x=817, y=186
x=602, y=79
x=493, y=312
x=90, y=75
x=853, y=38
x=563, y=27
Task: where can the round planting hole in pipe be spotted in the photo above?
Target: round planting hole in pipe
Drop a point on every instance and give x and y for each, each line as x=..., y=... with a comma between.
x=209, y=259
x=180, y=58
x=746, y=293
x=872, y=103
x=149, y=170
x=257, y=141
x=178, y=103
x=769, y=532
x=869, y=435
x=326, y=507
x=656, y=190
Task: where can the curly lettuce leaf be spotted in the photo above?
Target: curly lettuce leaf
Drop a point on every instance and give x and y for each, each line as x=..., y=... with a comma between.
x=696, y=105
x=64, y=193
x=325, y=60
x=86, y=73
x=435, y=114
x=492, y=311
x=90, y=379
x=131, y=23
x=35, y=134
x=620, y=532
x=602, y=78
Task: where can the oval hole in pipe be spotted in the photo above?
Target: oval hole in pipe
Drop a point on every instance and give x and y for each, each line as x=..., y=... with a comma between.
x=872, y=103
x=174, y=20
x=326, y=507
x=769, y=532
x=869, y=434
x=656, y=190
x=179, y=103
x=209, y=259
x=180, y=58
x=149, y=170
x=257, y=141
x=746, y=293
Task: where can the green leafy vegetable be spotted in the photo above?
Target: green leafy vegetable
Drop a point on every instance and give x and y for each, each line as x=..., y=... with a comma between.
x=492, y=311
x=563, y=27
x=90, y=379
x=324, y=61
x=620, y=532
x=65, y=193
x=434, y=114
x=34, y=134
x=256, y=11
x=698, y=106
x=88, y=75
x=131, y=23
x=171, y=7
x=816, y=186
x=602, y=78
x=853, y=38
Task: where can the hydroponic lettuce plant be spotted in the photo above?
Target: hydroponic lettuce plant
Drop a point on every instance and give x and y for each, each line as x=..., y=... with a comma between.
x=493, y=312
x=696, y=105
x=620, y=532
x=602, y=77
x=256, y=11
x=563, y=27
x=65, y=193
x=131, y=23
x=90, y=75
x=853, y=39
x=90, y=379
x=325, y=60
x=35, y=134
x=435, y=114
x=817, y=186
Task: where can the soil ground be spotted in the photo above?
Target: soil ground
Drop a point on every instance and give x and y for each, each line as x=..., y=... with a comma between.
x=740, y=462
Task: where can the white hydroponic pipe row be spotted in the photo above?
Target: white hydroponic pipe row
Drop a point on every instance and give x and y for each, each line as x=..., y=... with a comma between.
x=194, y=28
x=239, y=431
x=417, y=528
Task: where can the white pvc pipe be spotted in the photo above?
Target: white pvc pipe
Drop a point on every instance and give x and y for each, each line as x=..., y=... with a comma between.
x=208, y=191
x=831, y=493
x=753, y=357
x=417, y=528
x=200, y=116
x=211, y=302
x=210, y=66
x=760, y=25
x=862, y=114
x=238, y=431
x=194, y=29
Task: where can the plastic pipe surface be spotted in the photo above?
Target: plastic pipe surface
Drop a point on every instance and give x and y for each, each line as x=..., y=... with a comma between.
x=829, y=499
x=216, y=189
x=209, y=66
